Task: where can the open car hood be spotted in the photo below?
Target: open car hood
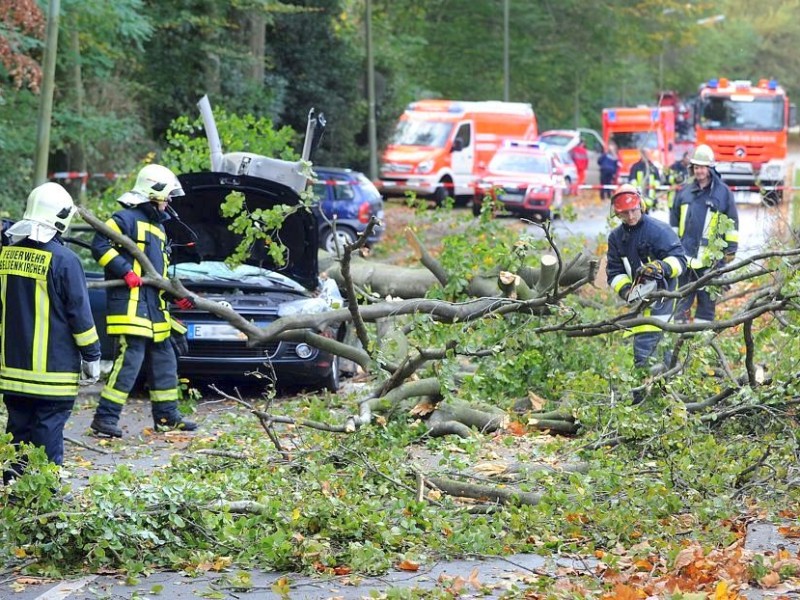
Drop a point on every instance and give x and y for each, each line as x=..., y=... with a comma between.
x=199, y=210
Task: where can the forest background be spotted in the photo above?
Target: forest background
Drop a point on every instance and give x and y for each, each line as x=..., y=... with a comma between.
x=126, y=69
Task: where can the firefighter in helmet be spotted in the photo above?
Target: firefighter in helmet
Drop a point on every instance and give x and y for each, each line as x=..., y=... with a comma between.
x=644, y=174
x=696, y=216
x=138, y=317
x=49, y=337
x=644, y=255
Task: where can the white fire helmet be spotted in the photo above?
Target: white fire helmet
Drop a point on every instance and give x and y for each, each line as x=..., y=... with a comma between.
x=154, y=183
x=49, y=211
x=703, y=156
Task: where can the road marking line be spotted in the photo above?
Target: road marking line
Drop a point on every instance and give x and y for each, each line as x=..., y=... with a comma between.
x=65, y=589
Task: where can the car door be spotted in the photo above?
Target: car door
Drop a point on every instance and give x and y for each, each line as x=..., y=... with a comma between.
x=463, y=159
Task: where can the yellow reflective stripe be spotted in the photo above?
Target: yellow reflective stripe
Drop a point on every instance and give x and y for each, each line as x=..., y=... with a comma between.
x=643, y=329
x=695, y=263
x=161, y=327
x=113, y=225
x=143, y=228
x=675, y=265
x=126, y=320
x=109, y=393
x=39, y=389
x=177, y=326
x=731, y=236
x=164, y=395
x=33, y=375
x=682, y=220
x=108, y=257
x=87, y=337
x=113, y=395
x=41, y=327
x=130, y=330
x=619, y=282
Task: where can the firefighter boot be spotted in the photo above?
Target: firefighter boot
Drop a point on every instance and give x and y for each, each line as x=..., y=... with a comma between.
x=167, y=416
x=106, y=418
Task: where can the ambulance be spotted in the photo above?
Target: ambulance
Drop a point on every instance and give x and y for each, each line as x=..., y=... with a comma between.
x=441, y=147
x=649, y=128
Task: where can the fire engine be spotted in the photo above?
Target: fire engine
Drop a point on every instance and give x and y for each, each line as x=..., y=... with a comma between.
x=747, y=127
x=641, y=129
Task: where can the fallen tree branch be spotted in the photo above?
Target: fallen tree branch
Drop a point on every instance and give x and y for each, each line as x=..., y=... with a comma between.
x=484, y=493
x=86, y=446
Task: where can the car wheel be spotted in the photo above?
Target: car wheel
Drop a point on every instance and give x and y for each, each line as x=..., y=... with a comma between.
x=476, y=208
x=342, y=237
x=334, y=378
x=441, y=193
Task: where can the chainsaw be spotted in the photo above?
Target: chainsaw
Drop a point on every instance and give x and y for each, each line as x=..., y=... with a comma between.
x=644, y=285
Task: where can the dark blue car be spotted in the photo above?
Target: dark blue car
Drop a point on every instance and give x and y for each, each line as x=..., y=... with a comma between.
x=347, y=200
x=260, y=290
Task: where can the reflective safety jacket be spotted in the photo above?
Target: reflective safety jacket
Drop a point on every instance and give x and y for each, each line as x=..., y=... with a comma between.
x=645, y=176
x=631, y=247
x=695, y=217
x=47, y=324
x=141, y=311
x=676, y=177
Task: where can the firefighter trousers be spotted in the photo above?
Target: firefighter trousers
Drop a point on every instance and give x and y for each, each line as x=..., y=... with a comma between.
x=706, y=305
x=39, y=422
x=135, y=354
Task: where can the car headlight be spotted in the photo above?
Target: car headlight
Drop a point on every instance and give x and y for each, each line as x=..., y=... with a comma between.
x=426, y=166
x=771, y=172
x=303, y=351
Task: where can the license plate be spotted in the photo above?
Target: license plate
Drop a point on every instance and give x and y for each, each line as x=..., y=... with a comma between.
x=512, y=197
x=216, y=331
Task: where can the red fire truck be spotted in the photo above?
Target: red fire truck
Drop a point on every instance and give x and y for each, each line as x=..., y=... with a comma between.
x=747, y=127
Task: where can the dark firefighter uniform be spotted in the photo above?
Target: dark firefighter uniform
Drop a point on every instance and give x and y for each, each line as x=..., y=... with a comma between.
x=138, y=316
x=695, y=216
x=47, y=328
x=628, y=249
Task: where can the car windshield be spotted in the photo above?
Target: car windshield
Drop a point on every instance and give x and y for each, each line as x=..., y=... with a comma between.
x=556, y=139
x=635, y=140
x=414, y=132
x=741, y=113
x=212, y=270
x=520, y=162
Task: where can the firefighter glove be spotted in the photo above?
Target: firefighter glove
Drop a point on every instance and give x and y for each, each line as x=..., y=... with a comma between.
x=652, y=270
x=179, y=343
x=132, y=279
x=91, y=369
x=728, y=258
x=184, y=303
